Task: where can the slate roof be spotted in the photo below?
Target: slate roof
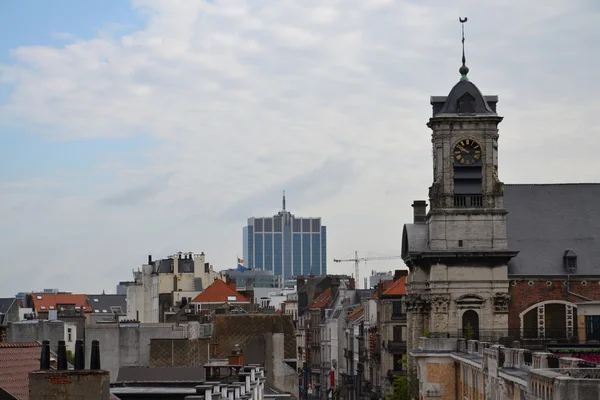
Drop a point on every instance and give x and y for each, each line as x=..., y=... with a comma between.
x=544, y=220
x=160, y=374
x=102, y=303
x=43, y=302
x=17, y=360
x=219, y=292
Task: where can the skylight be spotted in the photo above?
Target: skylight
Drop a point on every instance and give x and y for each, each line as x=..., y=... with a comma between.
x=43, y=307
x=95, y=300
x=52, y=307
x=96, y=310
x=39, y=297
x=104, y=311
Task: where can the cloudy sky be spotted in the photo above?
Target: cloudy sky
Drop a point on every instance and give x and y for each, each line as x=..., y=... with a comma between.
x=157, y=126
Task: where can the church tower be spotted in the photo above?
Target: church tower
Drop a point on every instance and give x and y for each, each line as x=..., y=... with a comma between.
x=458, y=253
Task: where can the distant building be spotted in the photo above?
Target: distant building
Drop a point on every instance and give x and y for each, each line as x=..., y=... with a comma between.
x=253, y=278
x=377, y=277
x=161, y=287
x=286, y=245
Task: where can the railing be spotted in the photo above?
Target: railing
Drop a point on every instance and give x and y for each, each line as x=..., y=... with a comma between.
x=396, y=347
x=468, y=201
x=505, y=337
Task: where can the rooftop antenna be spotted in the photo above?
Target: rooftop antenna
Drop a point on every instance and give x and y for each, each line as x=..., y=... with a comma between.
x=464, y=70
x=284, y=200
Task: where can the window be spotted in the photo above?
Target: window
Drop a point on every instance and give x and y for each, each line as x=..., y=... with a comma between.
x=397, y=333
x=69, y=335
x=116, y=309
x=268, y=224
x=39, y=297
x=95, y=300
x=397, y=309
x=43, y=307
x=51, y=307
x=397, y=362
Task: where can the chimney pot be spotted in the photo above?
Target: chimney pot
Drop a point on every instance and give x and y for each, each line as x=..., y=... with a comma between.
x=149, y=259
x=419, y=211
x=95, y=356
x=45, y=359
x=61, y=356
x=79, y=354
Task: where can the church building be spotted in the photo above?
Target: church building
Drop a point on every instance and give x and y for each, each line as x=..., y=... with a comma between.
x=495, y=262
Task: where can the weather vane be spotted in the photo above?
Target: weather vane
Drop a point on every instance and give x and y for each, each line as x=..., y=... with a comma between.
x=464, y=70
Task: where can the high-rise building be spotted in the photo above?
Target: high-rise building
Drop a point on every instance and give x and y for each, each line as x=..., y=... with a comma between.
x=287, y=245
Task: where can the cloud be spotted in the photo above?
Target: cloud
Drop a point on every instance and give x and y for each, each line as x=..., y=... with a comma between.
x=244, y=99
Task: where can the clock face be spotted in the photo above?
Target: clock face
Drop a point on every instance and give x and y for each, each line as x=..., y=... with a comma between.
x=467, y=152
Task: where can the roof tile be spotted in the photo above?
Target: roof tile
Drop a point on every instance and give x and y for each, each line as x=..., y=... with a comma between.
x=16, y=362
x=323, y=299
x=356, y=312
x=398, y=288
x=219, y=292
x=43, y=301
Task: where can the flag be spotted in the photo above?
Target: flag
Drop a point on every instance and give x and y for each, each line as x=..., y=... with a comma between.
x=241, y=268
x=240, y=261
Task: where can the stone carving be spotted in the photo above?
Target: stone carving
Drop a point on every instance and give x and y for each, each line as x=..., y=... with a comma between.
x=488, y=387
x=569, y=311
x=440, y=303
x=541, y=321
x=501, y=301
x=417, y=303
x=505, y=389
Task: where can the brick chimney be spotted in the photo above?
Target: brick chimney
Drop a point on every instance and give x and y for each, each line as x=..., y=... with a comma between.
x=352, y=283
x=335, y=285
x=236, y=357
x=419, y=211
x=399, y=273
x=64, y=383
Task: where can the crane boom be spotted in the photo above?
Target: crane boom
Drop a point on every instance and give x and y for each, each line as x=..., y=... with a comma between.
x=356, y=260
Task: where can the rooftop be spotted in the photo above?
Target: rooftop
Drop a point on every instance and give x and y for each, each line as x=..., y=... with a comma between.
x=17, y=360
x=220, y=292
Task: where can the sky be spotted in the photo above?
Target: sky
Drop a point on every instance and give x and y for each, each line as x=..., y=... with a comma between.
x=143, y=127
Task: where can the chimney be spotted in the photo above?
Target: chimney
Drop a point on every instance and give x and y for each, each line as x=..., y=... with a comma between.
x=399, y=273
x=352, y=283
x=149, y=259
x=236, y=357
x=310, y=289
x=95, y=356
x=335, y=285
x=45, y=359
x=419, y=211
x=64, y=383
x=300, y=282
x=61, y=361
x=79, y=355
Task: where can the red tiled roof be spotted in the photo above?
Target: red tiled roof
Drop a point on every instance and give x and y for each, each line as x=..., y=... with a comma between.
x=398, y=288
x=43, y=301
x=219, y=292
x=356, y=312
x=322, y=300
x=17, y=360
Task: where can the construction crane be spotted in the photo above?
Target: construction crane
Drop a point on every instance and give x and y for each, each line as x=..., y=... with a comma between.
x=356, y=260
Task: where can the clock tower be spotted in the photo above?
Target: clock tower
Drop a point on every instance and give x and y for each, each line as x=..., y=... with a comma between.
x=458, y=253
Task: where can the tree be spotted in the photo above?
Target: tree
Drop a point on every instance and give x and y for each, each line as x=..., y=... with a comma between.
x=406, y=387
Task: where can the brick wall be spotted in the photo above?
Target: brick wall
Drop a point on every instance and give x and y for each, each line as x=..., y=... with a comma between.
x=444, y=375
x=524, y=295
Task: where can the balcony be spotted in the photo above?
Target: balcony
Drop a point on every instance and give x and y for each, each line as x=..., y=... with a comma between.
x=399, y=317
x=396, y=347
x=468, y=201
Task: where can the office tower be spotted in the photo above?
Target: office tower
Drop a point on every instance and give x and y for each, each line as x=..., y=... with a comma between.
x=287, y=245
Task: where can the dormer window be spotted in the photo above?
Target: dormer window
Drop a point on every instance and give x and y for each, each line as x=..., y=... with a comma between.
x=466, y=104
x=570, y=261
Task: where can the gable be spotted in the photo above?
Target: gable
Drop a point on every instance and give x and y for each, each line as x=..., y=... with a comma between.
x=220, y=292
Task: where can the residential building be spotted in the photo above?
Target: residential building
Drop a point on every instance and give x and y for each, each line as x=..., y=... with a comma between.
x=107, y=308
x=161, y=286
x=285, y=244
x=219, y=293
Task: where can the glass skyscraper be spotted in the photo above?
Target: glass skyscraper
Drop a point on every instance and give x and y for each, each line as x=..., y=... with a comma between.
x=287, y=245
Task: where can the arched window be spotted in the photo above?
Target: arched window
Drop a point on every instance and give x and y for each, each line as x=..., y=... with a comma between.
x=470, y=324
x=553, y=319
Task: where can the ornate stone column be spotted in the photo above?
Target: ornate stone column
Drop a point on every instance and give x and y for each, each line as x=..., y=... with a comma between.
x=440, y=305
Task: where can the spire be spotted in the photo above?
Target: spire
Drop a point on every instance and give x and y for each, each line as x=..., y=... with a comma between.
x=284, y=200
x=464, y=70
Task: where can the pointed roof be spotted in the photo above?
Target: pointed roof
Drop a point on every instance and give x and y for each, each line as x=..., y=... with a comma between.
x=220, y=292
x=323, y=299
x=398, y=288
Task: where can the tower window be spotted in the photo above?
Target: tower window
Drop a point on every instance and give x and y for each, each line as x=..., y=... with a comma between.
x=460, y=243
x=466, y=104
